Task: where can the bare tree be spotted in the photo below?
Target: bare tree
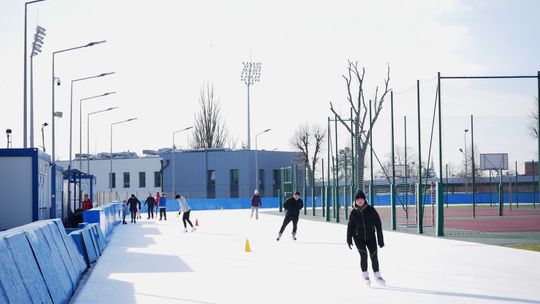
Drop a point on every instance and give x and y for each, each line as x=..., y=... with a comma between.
x=209, y=127
x=307, y=139
x=354, y=81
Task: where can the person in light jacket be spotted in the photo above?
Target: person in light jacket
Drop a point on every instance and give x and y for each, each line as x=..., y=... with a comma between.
x=256, y=202
x=184, y=207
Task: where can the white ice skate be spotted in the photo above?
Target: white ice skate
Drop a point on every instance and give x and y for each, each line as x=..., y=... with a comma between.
x=365, y=276
x=278, y=237
x=193, y=229
x=294, y=236
x=380, y=279
x=185, y=230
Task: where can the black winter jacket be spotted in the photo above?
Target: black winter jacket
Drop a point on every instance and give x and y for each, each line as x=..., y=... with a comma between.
x=133, y=203
x=363, y=223
x=151, y=201
x=293, y=207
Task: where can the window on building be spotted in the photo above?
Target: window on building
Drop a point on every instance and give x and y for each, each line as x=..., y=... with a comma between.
x=126, y=179
x=112, y=180
x=157, y=179
x=276, y=182
x=142, y=179
x=235, y=178
x=211, y=184
x=260, y=186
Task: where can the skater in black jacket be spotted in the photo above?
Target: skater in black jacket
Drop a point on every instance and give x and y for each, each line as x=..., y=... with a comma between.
x=133, y=203
x=364, y=222
x=292, y=207
x=151, y=202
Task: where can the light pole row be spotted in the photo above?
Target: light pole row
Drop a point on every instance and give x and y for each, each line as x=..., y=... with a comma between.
x=80, y=123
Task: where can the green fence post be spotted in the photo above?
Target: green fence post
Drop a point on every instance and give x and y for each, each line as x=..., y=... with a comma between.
x=393, y=203
x=371, y=194
x=280, y=200
x=393, y=185
x=501, y=195
x=517, y=187
x=323, y=196
x=419, y=194
x=439, y=230
x=328, y=203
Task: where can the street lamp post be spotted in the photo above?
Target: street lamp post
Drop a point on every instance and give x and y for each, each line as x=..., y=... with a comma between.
x=88, y=135
x=173, y=157
x=257, y=160
x=24, y=77
x=251, y=73
x=111, y=156
x=80, y=115
x=80, y=124
x=57, y=80
x=43, y=135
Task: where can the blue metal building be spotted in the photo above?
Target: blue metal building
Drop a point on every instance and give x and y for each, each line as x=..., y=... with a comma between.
x=224, y=173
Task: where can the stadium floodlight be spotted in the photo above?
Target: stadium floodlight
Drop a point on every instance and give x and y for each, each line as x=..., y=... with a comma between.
x=251, y=73
x=36, y=49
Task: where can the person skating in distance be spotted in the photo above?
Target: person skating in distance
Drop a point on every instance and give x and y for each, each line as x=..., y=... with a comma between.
x=364, y=222
x=184, y=207
x=292, y=206
x=162, y=204
x=134, y=206
x=256, y=202
x=151, y=202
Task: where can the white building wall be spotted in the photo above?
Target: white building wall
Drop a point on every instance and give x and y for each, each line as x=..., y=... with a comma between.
x=100, y=169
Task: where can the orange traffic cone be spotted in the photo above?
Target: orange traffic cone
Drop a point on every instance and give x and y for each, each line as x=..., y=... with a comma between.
x=247, y=248
x=196, y=222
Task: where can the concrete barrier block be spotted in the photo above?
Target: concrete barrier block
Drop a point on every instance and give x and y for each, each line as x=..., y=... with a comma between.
x=53, y=271
x=27, y=266
x=12, y=289
x=76, y=256
x=89, y=247
x=99, y=237
x=60, y=250
x=77, y=238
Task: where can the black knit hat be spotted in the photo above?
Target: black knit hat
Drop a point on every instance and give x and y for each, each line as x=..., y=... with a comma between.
x=359, y=194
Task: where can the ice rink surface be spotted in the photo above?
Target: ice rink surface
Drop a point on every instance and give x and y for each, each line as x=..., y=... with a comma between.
x=155, y=262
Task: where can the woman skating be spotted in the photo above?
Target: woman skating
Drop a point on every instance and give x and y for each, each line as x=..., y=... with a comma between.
x=364, y=222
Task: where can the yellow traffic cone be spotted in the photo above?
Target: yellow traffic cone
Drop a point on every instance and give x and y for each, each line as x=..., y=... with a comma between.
x=248, y=248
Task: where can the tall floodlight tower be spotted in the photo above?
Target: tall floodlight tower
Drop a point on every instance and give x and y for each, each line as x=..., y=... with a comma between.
x=251, y=73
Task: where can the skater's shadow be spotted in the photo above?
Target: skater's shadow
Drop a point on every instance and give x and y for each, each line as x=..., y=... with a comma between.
x=321, y=243
x=460, y=295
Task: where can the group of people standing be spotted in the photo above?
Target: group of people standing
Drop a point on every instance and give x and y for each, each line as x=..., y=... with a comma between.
x=133, y=206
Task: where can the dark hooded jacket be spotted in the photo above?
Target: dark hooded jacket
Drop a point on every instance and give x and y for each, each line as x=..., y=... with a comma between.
x=363, y=224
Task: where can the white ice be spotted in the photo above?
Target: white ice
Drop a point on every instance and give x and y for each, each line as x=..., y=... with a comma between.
x=155, y=262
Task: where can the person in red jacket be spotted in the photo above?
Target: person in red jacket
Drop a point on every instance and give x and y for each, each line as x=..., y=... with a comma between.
x=157, y=202
x=87, y=203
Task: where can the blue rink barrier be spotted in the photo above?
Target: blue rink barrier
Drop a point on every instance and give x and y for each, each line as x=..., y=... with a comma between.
x=106, y=216
x=37, y=265
x=41, y=263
